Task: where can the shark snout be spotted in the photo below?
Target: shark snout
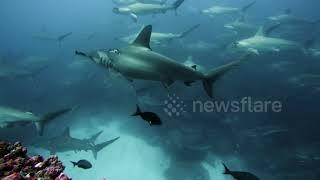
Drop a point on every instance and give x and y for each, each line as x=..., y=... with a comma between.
x=116, y=10
x=234, y=45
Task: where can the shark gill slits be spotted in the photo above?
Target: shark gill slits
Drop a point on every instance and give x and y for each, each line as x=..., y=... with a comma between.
x=106, y=62
x=109, y=65
x=101, y=61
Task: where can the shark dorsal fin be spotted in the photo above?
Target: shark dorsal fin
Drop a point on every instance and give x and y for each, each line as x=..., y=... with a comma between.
x=66, y=132
x=143, y=38
x=260, y=32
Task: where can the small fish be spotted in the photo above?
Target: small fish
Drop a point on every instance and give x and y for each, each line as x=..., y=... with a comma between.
x=239, y=175
x=84, y=164
x=150, y=117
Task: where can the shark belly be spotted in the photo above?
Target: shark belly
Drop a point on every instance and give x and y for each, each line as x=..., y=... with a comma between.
x=8, y=115
x=279, y=45
x=145, y=9
x=266, y=44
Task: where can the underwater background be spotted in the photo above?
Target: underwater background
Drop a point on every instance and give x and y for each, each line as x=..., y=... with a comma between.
x=272, y=145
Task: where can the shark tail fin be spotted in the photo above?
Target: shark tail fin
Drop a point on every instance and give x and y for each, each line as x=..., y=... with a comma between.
x=94, y=137
x=138, y=112
x=38, y=71
x=226, y=169
x=215, y=74
x=177, y=4
x=62, y=37
x=48, y=117
x=187, y=32
x=245, y=8
x=99, y=147
x=73, y=163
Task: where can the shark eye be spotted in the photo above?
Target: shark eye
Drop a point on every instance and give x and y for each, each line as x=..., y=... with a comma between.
x=114, y=51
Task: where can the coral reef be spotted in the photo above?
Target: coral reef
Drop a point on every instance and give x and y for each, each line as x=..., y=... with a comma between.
x=15, y=164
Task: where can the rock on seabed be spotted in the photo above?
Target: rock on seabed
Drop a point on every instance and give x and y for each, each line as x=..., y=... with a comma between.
x=15, y=164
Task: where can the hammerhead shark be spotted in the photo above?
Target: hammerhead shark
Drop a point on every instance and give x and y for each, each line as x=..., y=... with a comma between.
x=65, y=142
x=139, y=61
x=135, y=9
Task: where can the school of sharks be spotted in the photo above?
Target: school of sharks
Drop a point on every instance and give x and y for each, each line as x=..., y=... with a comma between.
x=110, y=87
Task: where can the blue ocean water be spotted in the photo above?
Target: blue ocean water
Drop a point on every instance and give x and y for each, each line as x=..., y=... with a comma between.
x=39, y=74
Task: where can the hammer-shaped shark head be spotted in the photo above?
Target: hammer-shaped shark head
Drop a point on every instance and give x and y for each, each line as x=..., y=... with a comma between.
x=119, y=10
x=100, y=57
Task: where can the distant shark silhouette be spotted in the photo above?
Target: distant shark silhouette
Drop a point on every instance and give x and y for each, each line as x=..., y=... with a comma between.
x=65, y=142
x=135, y=9
x=46, y=37
x=10, y=117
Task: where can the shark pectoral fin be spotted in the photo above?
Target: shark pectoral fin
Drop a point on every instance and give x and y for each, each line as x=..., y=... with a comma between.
x=134, y=17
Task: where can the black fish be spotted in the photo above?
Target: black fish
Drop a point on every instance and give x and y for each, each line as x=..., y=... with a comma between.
x=150, y=117
x=240, y=175
x=84, y=164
